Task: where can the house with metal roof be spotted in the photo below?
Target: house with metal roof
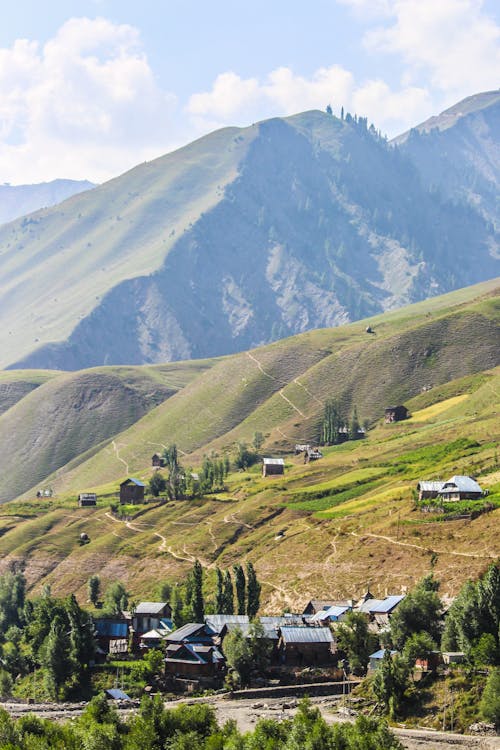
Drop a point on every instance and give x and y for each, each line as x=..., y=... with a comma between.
x=272, y=467
x=131, y=491
x=379, y=611
x=192, y=632
x=304, y=646
x=377, y=658
x=150, y=615
x=217, y=622
x=332, y=614
x=203, y=663
x=461, y=488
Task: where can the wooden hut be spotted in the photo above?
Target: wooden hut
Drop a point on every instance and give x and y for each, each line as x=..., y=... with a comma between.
x=272, y=467
x=87, y=498
x=131, y=491
x=395, y=414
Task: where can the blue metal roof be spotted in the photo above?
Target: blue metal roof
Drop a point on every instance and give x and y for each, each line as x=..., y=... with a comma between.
x=380, y=654
x=388, y=604
x=117, y=695
x=114, y=629
x=134, y=481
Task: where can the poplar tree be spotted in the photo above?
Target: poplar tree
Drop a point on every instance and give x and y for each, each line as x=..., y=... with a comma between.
x=219, y=592
x=197, y=596
x=228, y=608
x=93, y=586
x=253, y=592
x=240, y=585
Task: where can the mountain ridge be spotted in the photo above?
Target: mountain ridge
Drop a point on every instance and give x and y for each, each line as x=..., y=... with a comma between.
x=240, y=238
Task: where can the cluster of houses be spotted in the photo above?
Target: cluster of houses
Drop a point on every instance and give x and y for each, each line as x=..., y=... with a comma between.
x=455, y=489
x=194, y=653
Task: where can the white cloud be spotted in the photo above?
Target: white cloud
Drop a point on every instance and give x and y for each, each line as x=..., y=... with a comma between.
x=86, y=104
x=283, y=92
x=451, y=45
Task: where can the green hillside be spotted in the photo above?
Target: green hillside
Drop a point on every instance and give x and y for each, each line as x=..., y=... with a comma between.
x=57, y=417
x=328, y=528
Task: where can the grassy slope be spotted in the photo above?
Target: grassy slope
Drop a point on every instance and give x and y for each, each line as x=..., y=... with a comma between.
x=348, y=519
x=15, y=384
x=57, y=263
x=72, y=413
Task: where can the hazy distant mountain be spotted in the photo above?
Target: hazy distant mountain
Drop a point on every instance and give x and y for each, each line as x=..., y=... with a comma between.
x=242, y=237
x=18, y=200
x=458, y=152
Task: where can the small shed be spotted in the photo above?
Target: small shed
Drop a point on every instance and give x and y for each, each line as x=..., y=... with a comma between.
x=272, y=467
x=131, y=491
x=395, y=414
x=87, y=498
x=157, y=461
x=453, y=657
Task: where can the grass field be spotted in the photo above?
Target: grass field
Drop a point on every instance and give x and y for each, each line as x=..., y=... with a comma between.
x=324, y=529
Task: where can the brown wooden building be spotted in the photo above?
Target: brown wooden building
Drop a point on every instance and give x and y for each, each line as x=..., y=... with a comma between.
x=272, y=467
x=396, y=414
x=131, y=491
x=157, y=461
x=308, y=647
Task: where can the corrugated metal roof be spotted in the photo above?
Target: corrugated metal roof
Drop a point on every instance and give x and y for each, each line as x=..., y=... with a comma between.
x=333, y=613
x=149, y=608
x=187, y=631
x=307, y=635
x=380, y=654
x=430, y=486
x=114, y=629
x=273, y=461
x=217, y=622
x=154, y=635
x=117, y=695
x=134, y=481
x=462, y=484
x=373, y=606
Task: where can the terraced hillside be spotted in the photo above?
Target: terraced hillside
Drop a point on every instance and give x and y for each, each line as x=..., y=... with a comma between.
x=328, y=528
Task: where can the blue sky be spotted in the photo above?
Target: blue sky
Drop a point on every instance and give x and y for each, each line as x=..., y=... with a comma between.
x=89, y=88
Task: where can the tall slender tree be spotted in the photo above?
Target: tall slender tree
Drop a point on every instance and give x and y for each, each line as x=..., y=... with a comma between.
x=240, y=586
x=228, y=608
x=219, y=592
x=197, y=596
x=253, y=591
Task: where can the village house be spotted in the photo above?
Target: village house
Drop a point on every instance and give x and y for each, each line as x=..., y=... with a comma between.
x=461, y=488
x=150, y=615
x=314, y=606
x=379, y=611
x=86, y=499
x=395, y=414
x=272, y=467
x=155, y=637
x=331, y=615
x=157, y=462
x=112, y=634
x=131, y=491
x=377, y=658
x=202, y=663
x=306, y=646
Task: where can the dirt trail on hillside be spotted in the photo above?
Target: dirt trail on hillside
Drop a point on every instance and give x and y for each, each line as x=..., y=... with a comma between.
x=117, y=454
x=489, y=556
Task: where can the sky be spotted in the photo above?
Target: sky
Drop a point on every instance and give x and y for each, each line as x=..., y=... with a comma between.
x=90, y=88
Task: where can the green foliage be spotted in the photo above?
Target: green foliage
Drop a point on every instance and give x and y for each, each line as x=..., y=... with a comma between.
x=228, y=606
x=219, y=591
x=333, y=421
x=390, y=682
x=490, y=701
x=418, y=646
x=157, y=484
x=473, y=620
x=253, y=591
x=245, y=457
x=356, y=641
x=12, y=593
x=93, y=587
x=240, y=586
x=420, y=611
x=246, y=655
x=115, y=598
x=197, y=602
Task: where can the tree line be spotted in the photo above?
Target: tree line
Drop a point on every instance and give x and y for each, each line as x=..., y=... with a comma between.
x=336, y=426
